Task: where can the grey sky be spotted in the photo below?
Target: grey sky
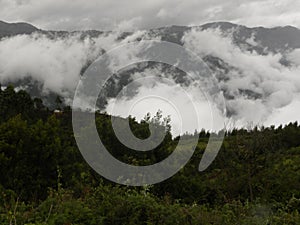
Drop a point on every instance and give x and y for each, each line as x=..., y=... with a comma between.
x=133, y=14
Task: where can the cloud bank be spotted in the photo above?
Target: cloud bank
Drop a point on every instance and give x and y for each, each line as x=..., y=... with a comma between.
x=258, y=88
x=56, y=63
x=263, y=75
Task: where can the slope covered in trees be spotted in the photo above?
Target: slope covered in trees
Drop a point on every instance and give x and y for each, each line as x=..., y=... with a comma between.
x=255, y=179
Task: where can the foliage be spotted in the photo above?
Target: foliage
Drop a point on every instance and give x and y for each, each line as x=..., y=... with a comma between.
x=255, y=179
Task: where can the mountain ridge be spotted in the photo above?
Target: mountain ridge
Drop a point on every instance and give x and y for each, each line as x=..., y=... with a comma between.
x=209, y=24
x=275, y=39
x=11, y=29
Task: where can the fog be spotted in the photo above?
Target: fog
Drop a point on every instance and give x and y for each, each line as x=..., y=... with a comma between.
x=56, y=63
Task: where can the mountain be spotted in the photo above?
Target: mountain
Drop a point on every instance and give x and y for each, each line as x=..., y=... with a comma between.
x=277, y=39
x=11, y=29
x=262, y=40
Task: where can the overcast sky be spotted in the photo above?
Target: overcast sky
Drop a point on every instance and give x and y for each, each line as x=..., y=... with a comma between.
x=133, y=14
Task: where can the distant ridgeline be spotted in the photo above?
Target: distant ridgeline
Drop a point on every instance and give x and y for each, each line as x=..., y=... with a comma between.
x=277, y=39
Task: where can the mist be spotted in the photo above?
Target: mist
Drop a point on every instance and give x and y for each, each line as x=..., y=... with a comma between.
x=56, y=63
x=274, y=86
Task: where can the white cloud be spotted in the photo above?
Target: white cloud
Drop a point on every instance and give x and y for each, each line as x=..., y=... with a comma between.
x=277, y=85
x=55, y=63
x=188, y=108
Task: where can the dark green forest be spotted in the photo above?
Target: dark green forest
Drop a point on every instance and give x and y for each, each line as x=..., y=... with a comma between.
x=255, y=178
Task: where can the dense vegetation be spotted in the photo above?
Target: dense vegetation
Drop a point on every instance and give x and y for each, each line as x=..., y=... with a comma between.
x=255, y=179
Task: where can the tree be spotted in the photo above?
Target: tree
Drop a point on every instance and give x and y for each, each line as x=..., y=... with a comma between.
x=58, y=102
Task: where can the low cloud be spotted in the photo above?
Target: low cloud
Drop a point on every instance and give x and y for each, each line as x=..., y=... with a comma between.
x=262, y=75
x=258, y=88
x=56, y=63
